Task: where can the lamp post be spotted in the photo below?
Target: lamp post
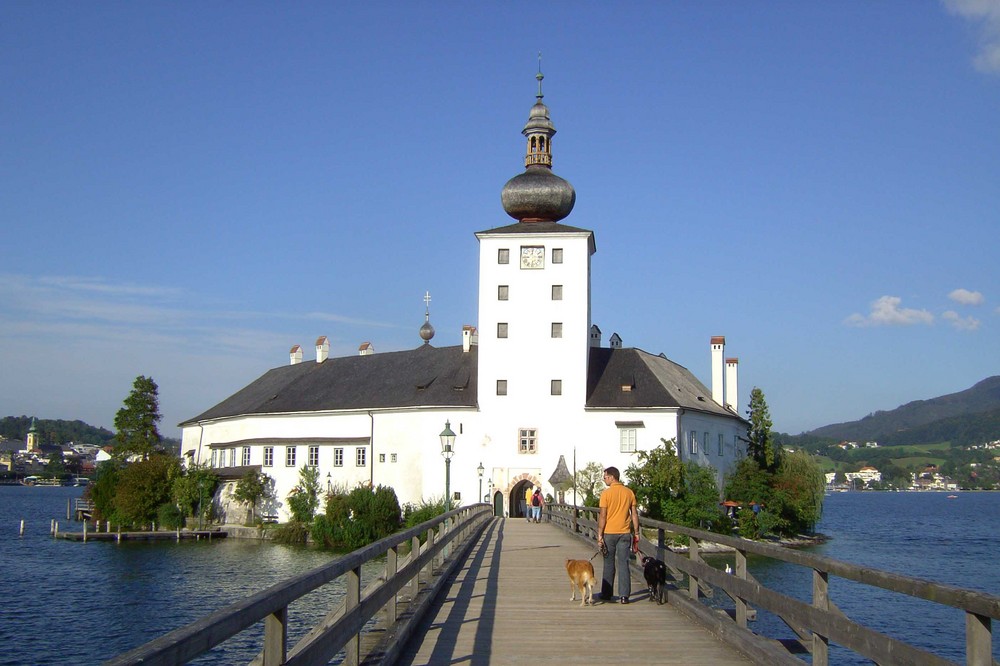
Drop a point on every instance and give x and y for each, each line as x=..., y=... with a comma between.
x=329, y=483
x=480, y=470
x=447, y=450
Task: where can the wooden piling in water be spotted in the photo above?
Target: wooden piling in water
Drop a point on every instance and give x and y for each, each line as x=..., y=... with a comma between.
x=21, y=533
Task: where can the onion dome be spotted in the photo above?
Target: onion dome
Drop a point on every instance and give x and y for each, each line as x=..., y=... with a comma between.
x=538, y=195
x=427, y=331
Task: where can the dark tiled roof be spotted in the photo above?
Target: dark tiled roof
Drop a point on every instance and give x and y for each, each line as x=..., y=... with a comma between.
x=423, y=377
x=432, y=377
x=654, y=381
x=534, y=228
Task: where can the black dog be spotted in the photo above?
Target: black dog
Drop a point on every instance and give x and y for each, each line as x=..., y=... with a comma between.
x=655, y=572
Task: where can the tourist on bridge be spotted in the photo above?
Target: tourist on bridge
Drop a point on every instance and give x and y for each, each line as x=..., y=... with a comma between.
x=617, y=522
x=537, y=502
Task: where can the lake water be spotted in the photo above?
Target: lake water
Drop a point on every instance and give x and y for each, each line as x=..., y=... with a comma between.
x=70, y=602
x=925, y=535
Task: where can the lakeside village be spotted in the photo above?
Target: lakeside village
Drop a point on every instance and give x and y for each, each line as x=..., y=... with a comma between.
x=73, y=464
x=929, y=478
x=33, y=463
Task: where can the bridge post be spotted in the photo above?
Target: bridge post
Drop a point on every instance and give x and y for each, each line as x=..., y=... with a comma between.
x=741, y=604
x=275, y=637
x=693, y=555
x=978, y=640
x=661, y=543
x=391, y=567
x=352, y=656
x=429, y=568
x=821, y=600
x=414, y=554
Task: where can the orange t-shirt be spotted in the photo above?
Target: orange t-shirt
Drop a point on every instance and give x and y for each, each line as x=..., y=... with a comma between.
x=618, y=500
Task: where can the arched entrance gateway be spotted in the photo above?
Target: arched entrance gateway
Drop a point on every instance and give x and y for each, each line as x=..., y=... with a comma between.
x=515, y=496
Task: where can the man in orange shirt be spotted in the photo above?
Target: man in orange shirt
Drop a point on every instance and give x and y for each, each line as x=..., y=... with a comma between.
x=617, y=521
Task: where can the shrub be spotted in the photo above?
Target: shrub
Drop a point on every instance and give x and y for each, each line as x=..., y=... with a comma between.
x=169, y=517
x=291, y=533
x=414, y=514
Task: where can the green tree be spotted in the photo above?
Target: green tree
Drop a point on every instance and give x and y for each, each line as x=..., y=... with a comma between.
x=102, y=489
x=252, y=488
x=840, y=477
x=589, y=482
x=797, y=493
x=142, y=487
x=135, y=423
x=56, y=468
x=657, y=479
x=192, y=491
x=761, y=445
x=303, y=499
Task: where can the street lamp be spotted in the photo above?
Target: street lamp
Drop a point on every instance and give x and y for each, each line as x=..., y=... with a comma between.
x=480, y=470
x=447, y=450
x=329, y=483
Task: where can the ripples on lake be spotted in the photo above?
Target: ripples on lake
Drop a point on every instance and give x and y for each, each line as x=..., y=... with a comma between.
x=924, y=535
x=70, y=602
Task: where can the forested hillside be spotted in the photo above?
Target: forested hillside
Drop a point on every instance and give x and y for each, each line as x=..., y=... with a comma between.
x=971, y=414
x=55, y=431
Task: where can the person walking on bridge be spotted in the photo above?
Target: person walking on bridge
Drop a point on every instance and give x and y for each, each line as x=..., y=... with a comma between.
x=617, y=521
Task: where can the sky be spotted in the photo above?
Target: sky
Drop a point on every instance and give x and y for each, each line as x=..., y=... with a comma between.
x=189, y=189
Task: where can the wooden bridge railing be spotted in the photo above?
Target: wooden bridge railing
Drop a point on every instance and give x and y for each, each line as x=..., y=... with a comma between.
x=816, y=624
x=443, y=539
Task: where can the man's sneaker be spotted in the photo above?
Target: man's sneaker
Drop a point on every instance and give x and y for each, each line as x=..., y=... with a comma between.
x=623, y=600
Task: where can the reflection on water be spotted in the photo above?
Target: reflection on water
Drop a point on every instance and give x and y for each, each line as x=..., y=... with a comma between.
x=72, y=602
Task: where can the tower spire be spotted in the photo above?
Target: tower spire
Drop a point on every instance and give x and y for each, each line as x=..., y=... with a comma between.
x=539, y=76
x=427, y=331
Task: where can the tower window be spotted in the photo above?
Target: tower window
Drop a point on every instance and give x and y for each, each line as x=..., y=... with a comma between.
x=557, y=292
x=557, y=255
x=557, y=329
x=528, y=442
x=501, y=387
x=503, y=292
x=556, y=387
x=503, y=256
x=502, y=329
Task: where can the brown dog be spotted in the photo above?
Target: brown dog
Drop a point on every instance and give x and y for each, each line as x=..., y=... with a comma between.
x=581, y=576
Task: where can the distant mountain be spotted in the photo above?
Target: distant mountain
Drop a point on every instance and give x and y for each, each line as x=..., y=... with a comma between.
x=975, y=410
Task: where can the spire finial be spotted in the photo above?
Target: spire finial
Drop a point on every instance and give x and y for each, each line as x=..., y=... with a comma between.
x=539, y=76
x=427, y=331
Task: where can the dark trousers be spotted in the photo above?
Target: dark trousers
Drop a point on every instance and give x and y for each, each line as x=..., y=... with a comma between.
x=616, y=559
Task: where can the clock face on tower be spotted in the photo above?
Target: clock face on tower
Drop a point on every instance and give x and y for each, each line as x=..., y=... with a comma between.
x=532, y=256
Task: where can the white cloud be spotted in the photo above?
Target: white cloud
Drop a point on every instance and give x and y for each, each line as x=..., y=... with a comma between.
x=986, y=15
x=959, y=322
x=886, y=311
x=966, y=297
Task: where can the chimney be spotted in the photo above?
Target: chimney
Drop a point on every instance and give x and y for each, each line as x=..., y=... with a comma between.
x=295, y=355
x=732, y=394
x=615, y=342
x=322, y=349
x=595, y=336
x=718, y=386
x=470, y=337
x=366, y=349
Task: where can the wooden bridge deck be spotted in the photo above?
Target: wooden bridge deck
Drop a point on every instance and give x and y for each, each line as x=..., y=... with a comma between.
x=510, y=604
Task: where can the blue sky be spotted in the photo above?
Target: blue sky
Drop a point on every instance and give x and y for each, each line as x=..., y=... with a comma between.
x=189, y=189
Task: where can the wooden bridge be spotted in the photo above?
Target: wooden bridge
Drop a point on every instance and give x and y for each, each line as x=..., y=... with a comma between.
x=470, y=588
